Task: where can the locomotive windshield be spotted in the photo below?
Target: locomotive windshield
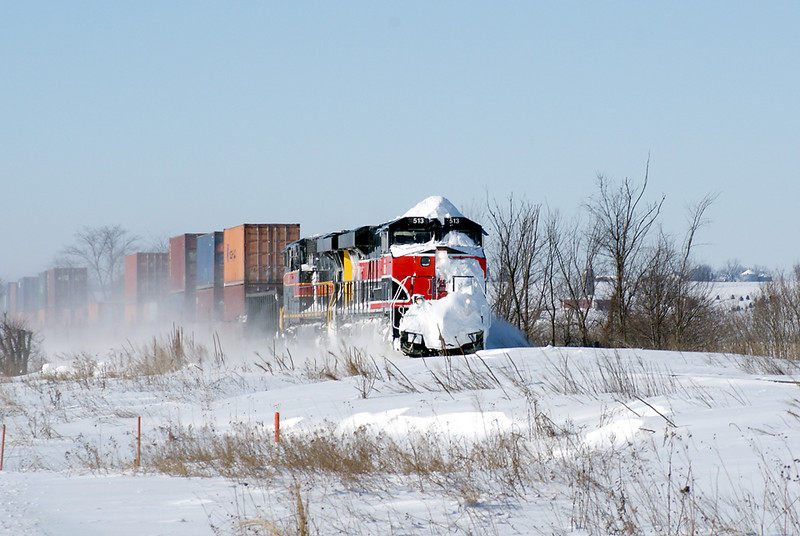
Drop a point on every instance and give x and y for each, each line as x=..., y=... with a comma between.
x=410, y=236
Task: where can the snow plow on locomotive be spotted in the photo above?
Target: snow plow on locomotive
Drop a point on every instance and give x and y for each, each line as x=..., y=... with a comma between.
x=423, y=274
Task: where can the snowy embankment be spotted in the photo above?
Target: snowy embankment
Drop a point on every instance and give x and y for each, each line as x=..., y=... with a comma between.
x=515, y=441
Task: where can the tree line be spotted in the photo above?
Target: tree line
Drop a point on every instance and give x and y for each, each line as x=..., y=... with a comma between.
x=611, y=276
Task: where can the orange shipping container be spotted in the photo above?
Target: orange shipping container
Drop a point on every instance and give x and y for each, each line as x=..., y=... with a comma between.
x=253, y=254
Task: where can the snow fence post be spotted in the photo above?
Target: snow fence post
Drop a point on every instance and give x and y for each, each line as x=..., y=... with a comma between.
x=277, y=427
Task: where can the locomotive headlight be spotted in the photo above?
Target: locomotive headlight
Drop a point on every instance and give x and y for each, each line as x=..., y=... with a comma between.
x=419, y=300
x=467, y=301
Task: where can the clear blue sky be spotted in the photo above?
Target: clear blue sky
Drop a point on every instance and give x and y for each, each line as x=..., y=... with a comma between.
x=173, y=117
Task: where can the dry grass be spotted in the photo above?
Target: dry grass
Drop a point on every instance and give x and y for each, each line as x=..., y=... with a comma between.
x=635, y=489
x=163, y=354
x=611, y=374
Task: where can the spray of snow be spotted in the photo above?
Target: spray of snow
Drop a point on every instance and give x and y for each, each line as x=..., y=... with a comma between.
x=463, y=311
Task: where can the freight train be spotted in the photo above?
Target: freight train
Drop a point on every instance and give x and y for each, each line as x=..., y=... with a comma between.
x=424, y=273
x=422, y=276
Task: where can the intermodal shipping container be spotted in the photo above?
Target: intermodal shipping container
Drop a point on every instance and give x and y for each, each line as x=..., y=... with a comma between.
x=253, y=255
x=67, y=289
x=146, y=277
x=41, y=318
x=142, y=313
x=210, y=304
x=28, y=296
x=183, y=306
x=104, y=314
x=131, y=313
x=210, y=260
x=41, y=300
x=234, y=303
x=69, y=318
x=11, y=296
x=257, y=311
x=183, y=263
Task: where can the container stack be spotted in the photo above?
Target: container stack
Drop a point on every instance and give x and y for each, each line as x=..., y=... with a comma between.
x=146, y=287
x=253, y=271
x=66, y=300
x=9, y=299
x=233, y=276
x=28, y=297
x=183, y=276
x=210, y=277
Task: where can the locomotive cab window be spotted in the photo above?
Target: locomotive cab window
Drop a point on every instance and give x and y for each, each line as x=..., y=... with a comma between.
x=475, y=236
x=411, y=236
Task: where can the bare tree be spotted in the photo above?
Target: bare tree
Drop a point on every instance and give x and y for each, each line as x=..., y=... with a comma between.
x=16, y=347
x=731, y=270
x=772, y=326
x=623, y=222
x=515, y=262
x=575, y=254
x=158, y=244
x=551, y=287
x=656, y=296
x=102, y=250
x=692, y=300
x=670, y=310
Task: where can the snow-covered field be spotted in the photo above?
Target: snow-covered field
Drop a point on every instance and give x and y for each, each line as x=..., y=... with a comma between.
x=511, y=441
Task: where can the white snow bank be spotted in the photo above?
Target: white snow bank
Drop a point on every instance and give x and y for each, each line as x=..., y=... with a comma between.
x=471, y=424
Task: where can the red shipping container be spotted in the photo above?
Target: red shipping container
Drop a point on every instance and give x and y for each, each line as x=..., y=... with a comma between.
x=183, y=263
x=234, y=303
x=67, y=288
x=146, y=277
x=210, y=305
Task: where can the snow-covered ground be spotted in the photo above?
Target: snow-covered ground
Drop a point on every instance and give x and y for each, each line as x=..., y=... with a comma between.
x=527, y=441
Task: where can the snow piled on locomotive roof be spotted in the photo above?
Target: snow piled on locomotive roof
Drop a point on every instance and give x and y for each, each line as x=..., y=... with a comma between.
x=434, y=207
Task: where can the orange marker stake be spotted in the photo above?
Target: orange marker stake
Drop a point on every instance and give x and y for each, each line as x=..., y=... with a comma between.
x=277, y=426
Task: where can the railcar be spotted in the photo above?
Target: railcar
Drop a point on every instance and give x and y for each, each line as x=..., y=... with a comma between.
x=423, y=274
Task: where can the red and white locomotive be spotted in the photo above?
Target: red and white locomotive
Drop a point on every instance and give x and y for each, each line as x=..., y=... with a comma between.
x=424, y=273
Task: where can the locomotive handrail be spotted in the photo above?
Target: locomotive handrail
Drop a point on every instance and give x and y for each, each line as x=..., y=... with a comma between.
x=400, y=288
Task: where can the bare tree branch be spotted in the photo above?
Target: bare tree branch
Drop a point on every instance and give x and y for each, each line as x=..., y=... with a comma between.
x=103, y=251
x=623, y=223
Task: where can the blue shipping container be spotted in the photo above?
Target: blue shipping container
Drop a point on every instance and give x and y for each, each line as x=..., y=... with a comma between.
x=28, y=298
x=210, y=258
